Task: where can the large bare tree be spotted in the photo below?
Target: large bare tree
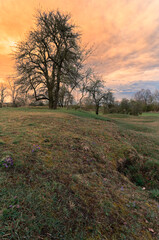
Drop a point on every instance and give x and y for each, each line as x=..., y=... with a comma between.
x=49, y=57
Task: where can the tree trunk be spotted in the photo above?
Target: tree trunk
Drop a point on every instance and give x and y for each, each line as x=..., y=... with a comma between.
x=80, y=102
x=56, y=101
x=97, y=109
x=57, y=89
x=51, y=102
x=14, y=103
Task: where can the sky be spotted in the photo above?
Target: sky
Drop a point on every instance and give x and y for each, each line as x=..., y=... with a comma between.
x=124, y=34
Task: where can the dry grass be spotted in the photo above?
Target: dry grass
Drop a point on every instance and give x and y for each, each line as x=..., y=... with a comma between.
x=70, y=188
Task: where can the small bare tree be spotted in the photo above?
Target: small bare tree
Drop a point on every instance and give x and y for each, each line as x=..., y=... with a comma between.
x=85, y=78
x=144, y=95
x=13, y=89
x=3, y=93
x=96, y=91
x=108, y=101
x=156, y=96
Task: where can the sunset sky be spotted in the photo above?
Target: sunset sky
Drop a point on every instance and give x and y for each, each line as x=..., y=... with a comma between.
x=125, y=34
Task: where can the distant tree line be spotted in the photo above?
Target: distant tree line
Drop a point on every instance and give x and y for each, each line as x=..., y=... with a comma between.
x=143, y=101
x=11, y=94
x=93, y=96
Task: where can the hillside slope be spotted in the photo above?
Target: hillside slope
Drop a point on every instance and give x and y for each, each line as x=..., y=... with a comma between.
x=67, y=180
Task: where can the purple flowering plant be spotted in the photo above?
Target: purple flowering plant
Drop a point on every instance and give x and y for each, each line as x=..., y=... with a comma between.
x=6, y=162
x=35, y=148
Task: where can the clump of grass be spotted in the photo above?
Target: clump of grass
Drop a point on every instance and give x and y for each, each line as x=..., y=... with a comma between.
x=2, y=142
x=139, y=170
x=154, y=193
x=152, y=164
x=16, y=141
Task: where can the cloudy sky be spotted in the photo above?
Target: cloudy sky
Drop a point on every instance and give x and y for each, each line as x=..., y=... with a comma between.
x=125, y=34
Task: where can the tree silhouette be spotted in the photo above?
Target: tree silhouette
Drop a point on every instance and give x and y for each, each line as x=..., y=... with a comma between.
x=49, y=57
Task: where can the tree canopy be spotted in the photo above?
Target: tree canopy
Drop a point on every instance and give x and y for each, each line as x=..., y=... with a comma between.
x=49, y=56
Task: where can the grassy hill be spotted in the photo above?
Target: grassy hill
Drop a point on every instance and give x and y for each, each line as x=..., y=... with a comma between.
x=78, y=176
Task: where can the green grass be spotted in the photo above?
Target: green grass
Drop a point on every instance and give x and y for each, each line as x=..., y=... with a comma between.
x=2, y=142
x=150, y=114
x=154, y=193
x=68, y=179
x=143, y=134
x=86, y=114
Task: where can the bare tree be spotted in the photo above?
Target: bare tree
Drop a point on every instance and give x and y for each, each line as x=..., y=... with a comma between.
x=96, y=91
x=49, y=57
x=108, y=101
x=3, y=93
x=85, y=78
x=156, y=96
x=13, y=89
x=144, y=96
x=125, y=106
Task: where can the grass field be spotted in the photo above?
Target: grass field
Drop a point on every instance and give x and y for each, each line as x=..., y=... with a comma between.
x=78, y=176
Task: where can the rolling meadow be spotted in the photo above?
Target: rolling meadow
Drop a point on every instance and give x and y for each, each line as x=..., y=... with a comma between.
x=69, y=174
